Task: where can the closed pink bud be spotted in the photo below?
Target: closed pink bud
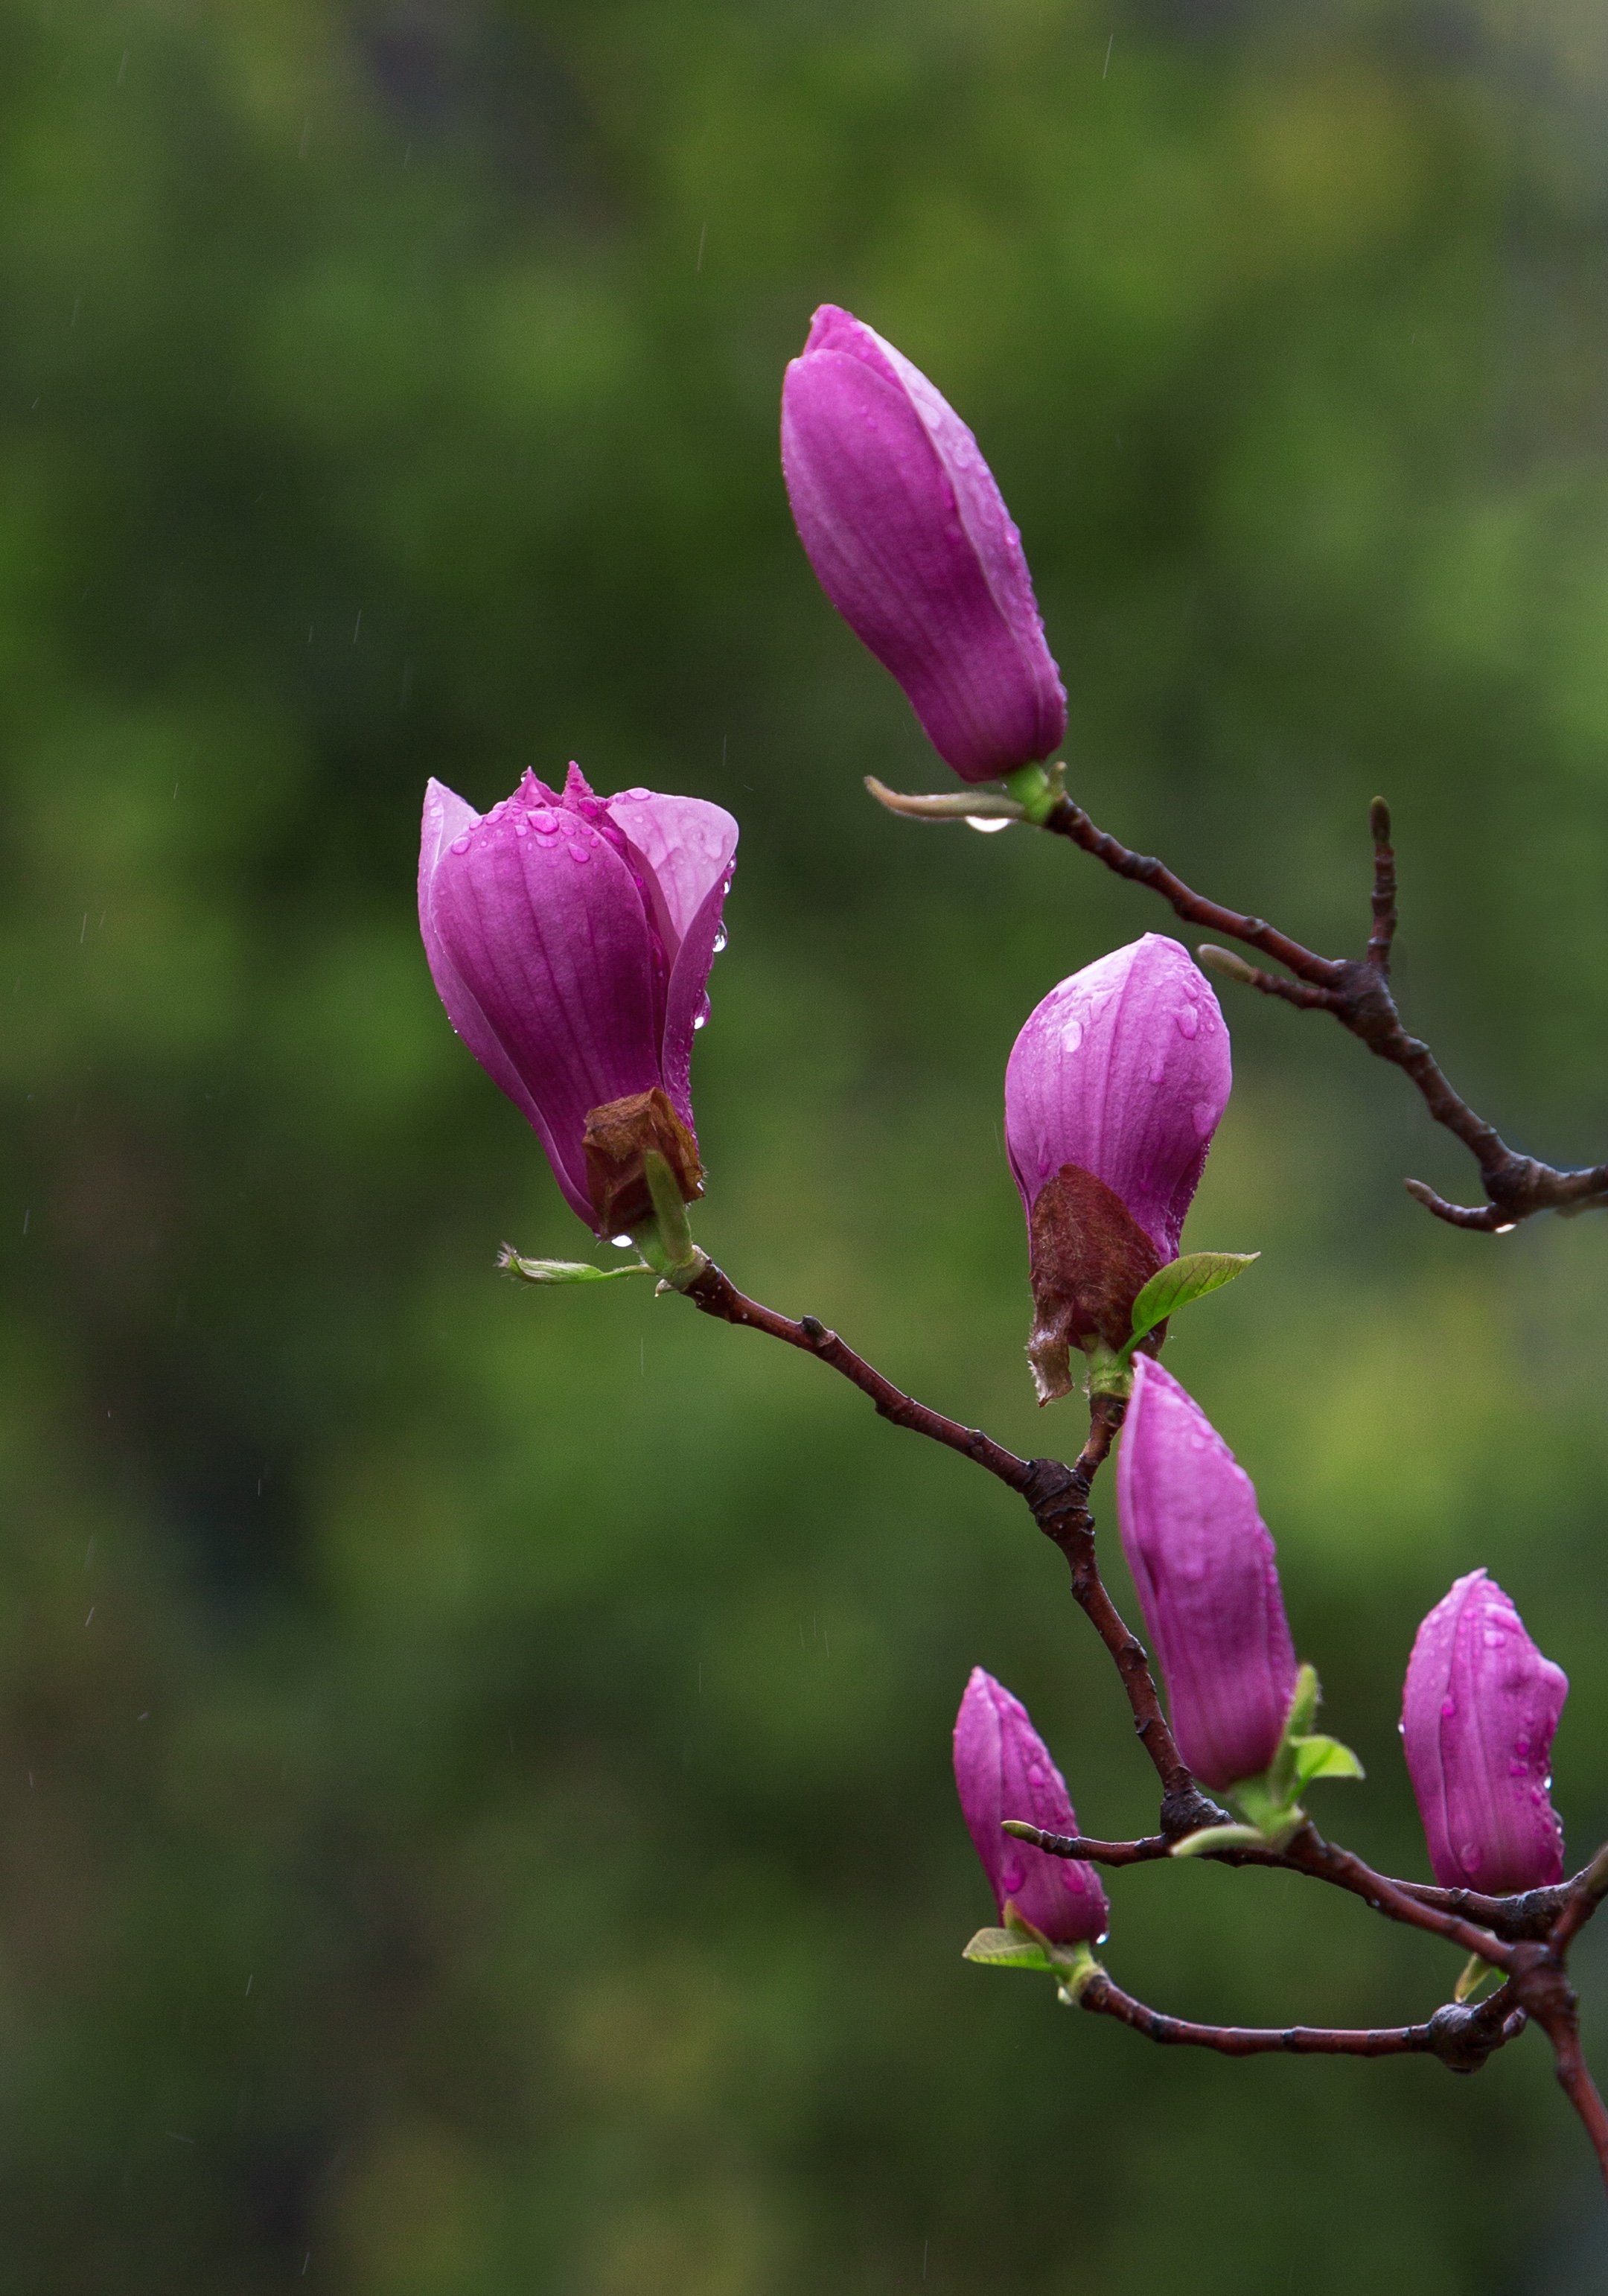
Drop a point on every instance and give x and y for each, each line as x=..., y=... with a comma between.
x=1478, y=1713
x=909, y=538
x=570, y=938
x=1202, y=1563
x=1113, y=1090
x=1003, y=1769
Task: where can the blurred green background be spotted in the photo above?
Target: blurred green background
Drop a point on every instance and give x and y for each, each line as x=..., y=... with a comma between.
x=475, y=1813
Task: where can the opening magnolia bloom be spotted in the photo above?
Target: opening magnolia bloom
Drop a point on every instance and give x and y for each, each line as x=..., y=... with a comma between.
x=571, y=938
x=911, y=541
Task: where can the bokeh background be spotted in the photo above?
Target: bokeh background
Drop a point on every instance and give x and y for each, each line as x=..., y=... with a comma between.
x=475, y=1812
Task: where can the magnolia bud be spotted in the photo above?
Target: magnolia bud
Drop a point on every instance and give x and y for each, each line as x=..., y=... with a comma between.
x=1202, y=1563
x=1003, y=1769
x=1479, y=1710
x=909, y=538
x=1113, y=1090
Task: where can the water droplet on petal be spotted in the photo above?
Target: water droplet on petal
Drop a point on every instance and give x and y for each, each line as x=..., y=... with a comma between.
x=639, y=794
x=1469, y=1857
x=459, y=845
x=1189, y=1021
x=521, y=829
x=620, y=1242
x=719, y=940
x=581, y=853
x=1205, y=1117
x=700, y=1019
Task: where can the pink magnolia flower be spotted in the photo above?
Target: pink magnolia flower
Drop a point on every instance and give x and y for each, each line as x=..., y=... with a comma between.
x=1202, y=1563
x=1113, y=1090
x=1003, y=1769
x=1124, y=1070
x=910, y=540
x=1479, y=1710
x=571, y=938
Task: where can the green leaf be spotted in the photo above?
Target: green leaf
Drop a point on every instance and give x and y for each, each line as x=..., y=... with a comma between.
x=1008, y=1949
x=674, y=1238
x=1304, y=1703
x=1181, y=1280
x=564, y=1271
x=1474, y=1973
x=1218, y=1837
x=1324, y=1758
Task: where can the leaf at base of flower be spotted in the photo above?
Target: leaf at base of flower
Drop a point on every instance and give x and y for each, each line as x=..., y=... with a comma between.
x=1324, y=1758
x=1218, y=1837
x=1008, y=1949
x=564, y=1271
x=1181, y=1280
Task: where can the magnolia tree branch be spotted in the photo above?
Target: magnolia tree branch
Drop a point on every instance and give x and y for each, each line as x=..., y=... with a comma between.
x=1056, y=1495
x=1461, y=2037
x=1525, y=1937
x=1530, y=1914
x=1356, y=991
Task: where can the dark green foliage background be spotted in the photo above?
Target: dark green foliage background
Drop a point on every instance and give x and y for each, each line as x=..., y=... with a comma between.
x=474, y=1798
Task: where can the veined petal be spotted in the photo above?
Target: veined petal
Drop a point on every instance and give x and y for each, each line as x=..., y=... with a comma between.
x=687, y=849
x=447, y=816
x=544, y=929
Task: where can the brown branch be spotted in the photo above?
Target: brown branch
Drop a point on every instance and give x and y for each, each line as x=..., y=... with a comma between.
x=1530, y=1914
x=1057, y=1495
x=1384, y=889
x=716, y=1295
x=1538, y=1985
x=1463, y=2039
x=1355, y=990
x=1325, y=1859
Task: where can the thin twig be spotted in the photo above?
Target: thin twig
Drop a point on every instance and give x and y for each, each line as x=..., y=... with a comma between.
x=1538, y=1985
x=1384, y=889
x=1463, y=2039
x=1356, y=991
x=1057, y=1493
x=1530, y=1914
x=716, y=1295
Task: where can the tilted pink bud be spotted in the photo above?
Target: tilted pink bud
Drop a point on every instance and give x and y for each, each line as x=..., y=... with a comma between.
x=1113, y=1090
x=571, y=938
x=1202, y=1563
x=1479, y=1710
x=1003, y=1769
x=911, y=541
